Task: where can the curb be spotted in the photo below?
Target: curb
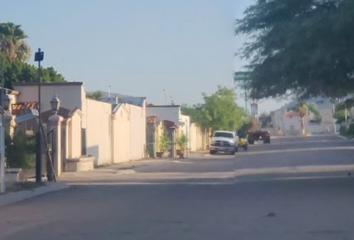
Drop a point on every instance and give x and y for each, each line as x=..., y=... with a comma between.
x=14, y=197
x=181, y=181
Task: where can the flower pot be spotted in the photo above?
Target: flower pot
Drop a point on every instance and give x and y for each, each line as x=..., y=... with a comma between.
x=159, y=154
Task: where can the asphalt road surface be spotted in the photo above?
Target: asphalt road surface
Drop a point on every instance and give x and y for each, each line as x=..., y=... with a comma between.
x=293, y=188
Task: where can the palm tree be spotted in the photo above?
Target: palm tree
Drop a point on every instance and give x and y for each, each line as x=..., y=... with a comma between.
x=12, y=43
x=304, y=109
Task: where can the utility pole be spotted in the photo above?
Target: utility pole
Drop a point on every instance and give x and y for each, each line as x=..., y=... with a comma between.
x=2, y=160
x=164, y=91
x=39, y=56
x=243, y=76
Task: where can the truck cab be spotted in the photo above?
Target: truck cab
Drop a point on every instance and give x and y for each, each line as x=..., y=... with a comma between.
x=224, y=141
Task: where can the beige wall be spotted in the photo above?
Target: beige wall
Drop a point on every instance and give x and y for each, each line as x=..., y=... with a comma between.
x=98, y=131
x=199, y=138
x=74, y=134
x=137, y=118
x=185, y=128
x=121, y=131
x=193, y=138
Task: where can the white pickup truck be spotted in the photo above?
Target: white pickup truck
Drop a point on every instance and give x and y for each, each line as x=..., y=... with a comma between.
x=224, y=141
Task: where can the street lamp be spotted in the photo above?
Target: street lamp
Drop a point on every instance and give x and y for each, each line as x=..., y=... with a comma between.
x=38, y=57
x=55, y=104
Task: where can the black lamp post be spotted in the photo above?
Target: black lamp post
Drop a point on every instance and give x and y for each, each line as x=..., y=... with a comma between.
x=39, y=56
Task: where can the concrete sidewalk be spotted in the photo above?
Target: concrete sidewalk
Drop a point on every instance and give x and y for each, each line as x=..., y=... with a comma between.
x=14, y=197
x=131, y=173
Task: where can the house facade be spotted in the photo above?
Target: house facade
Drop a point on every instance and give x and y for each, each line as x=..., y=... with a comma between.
x=167, y=116
x=288, y=123
x=326, y=110
x=109, y=132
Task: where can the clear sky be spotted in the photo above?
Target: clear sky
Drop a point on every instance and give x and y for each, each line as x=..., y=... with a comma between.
x=138, y=47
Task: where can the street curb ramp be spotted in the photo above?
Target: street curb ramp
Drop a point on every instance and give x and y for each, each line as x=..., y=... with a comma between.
x=14, y=197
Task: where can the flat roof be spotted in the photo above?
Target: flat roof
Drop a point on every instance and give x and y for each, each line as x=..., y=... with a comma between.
x=162, y=106
x=50, y=84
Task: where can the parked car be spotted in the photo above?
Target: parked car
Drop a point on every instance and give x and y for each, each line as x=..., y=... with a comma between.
x=224, y=141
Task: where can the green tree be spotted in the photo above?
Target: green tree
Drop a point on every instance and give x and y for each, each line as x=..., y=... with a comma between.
x=12, y=42
x=342, y=110
x=299, y=46
x=196, y=113
x=94, y=95
x=21, y=72
x=14, y=52
x=218, y=112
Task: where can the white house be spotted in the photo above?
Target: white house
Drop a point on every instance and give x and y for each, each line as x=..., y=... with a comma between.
x=326, y=110
x=287, y=122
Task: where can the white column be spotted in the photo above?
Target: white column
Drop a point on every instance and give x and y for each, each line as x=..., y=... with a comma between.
x=55, y=125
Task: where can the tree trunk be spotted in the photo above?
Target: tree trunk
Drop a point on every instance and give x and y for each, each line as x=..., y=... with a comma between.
x=302, y=126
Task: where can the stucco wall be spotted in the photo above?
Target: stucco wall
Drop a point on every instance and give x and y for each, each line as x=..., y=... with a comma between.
x=292, y=125
x=199, y=138
x=98, y=133
x=75, y=136
x=277, y=121
x=185, y=128
x=121, y=131
x=137, y=118
x=327, y=120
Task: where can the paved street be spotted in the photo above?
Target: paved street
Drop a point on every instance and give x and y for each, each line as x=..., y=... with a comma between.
x=293, y=188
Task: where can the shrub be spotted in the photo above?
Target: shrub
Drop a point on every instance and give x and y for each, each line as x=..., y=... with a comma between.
x=350, y=131
x=20, y=151
x=164, y=142
x=182, y=142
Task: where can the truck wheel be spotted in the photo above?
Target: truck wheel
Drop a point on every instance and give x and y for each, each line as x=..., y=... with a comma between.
x=251, y=142
x=212, y=152
x=266, y=140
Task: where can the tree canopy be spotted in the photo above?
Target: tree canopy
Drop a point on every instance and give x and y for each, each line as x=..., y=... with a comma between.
x=21, y=72
x=94, y=95
x=14, y=52
x=219, y=111
x=12, y=42
x=299, y=46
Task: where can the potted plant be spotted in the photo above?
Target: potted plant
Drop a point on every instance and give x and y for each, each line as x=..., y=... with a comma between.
x=164, y=142
x=182, y=142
